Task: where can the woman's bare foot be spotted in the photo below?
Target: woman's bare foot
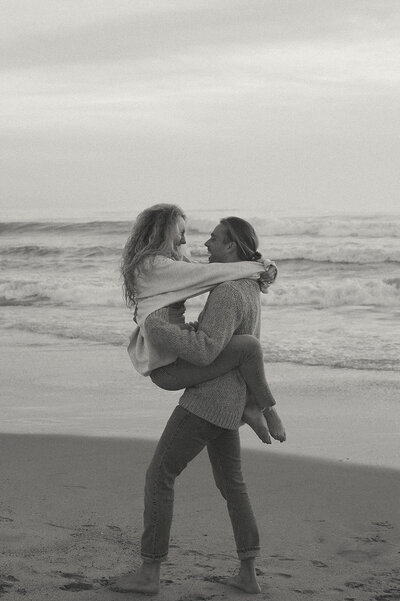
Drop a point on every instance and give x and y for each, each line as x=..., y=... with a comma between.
x=255, y=418
x=145, y=580
x=275, y=424
x=246, y=579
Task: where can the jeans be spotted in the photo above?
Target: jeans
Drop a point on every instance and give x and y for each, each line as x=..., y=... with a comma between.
x=184, y=436
x=243, y=351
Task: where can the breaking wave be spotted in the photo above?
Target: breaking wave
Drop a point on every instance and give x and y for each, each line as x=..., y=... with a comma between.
x=340, y=226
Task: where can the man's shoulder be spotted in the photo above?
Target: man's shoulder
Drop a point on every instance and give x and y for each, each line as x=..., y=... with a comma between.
x=234, y=294
x=225, y=290
x=237, y=286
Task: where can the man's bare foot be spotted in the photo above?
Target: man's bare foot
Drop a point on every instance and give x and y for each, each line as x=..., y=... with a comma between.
x=255, y=418
x=243, y=584
x=145, y=580
x=246, y=579
x=275, y=424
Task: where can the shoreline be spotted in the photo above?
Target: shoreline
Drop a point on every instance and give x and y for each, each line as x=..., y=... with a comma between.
x=326, y=501
x=92, y=390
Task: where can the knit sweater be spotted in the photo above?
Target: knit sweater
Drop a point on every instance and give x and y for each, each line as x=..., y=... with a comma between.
x=231, y=308
x=165, y=281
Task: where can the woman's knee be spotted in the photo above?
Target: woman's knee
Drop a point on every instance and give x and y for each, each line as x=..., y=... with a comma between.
x=163, y=380
x=245, y=342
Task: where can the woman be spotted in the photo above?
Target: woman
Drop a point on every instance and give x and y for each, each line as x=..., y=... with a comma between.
x=157, y=275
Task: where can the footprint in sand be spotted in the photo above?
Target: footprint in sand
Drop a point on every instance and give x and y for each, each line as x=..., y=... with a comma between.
x=318, y=564
x=103, y=581
x=370, y=539
x=194, y=552
x=357, y=556
x=389, y=595
x=385, y=524
x=337, y=589
x=383, y=586
x=6, y=582
x=57, y=526
x=77, y=585
x=355, y=585
x=74, y=587
x=70, y=575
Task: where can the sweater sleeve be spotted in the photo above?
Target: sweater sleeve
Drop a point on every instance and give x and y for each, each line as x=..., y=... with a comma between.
x=168, y=281
x=167, y=275
x=219, y=321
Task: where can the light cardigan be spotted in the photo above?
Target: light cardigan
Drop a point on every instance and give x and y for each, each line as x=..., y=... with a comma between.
x=164, y=282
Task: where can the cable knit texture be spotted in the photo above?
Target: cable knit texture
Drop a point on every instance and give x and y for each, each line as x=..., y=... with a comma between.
x=231, y=308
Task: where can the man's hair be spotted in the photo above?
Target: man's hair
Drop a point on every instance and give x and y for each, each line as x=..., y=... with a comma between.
x=243, y=234
x=152, y=234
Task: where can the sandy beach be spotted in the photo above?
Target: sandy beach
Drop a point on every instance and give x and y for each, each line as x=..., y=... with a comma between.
x=218, y=132
x=79, y=427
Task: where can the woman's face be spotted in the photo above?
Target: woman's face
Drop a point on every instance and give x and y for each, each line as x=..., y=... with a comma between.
x=179, y=236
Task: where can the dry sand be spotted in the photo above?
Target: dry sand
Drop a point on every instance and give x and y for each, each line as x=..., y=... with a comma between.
x=71, y=506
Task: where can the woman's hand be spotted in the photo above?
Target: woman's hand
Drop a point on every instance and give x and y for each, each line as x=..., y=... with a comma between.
x=268, y=277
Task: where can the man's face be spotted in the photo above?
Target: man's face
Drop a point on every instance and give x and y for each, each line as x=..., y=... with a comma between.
x=217, y=247
x=179, y=237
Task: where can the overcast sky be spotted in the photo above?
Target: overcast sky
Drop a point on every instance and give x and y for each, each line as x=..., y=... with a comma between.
x=107, y=106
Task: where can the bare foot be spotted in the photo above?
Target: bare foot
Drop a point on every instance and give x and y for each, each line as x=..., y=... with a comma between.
x=244, y=585
x=142, y=581
x=255, y=418
x=275, y=424
x=246, y=579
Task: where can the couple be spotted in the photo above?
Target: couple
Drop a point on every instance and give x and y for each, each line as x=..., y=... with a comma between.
x=217, y=359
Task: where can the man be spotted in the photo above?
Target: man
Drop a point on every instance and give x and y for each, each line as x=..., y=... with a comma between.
x=208, y=414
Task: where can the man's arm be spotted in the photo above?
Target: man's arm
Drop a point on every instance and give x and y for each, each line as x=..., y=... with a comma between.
x=218, y=324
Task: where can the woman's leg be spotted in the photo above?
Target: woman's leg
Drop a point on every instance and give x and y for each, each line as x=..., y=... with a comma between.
x=259, y=420
x=243, y=351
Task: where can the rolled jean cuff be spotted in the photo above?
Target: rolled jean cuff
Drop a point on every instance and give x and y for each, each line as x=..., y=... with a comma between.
x=154, y=558
x=248, y=553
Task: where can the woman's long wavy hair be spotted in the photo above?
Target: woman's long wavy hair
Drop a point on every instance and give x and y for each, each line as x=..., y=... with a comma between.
x=243, y=234
x=153, y=233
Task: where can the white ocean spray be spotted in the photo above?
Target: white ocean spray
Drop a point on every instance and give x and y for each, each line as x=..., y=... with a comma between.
x=336, y=301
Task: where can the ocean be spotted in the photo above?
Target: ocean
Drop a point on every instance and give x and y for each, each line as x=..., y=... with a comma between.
x=336, y=301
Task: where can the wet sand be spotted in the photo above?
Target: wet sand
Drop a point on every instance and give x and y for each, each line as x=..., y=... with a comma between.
x=71, y=505
x=71, y=521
